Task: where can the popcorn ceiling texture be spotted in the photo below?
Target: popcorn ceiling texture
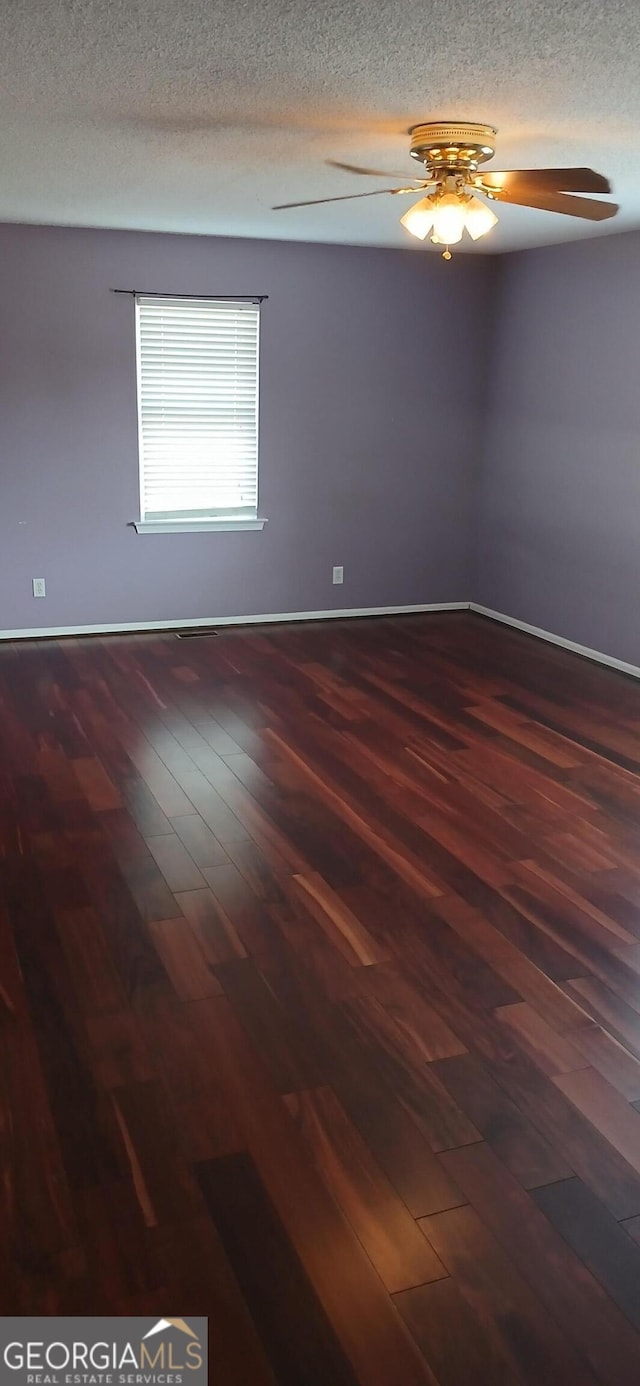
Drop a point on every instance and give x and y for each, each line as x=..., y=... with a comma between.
x=197, y=116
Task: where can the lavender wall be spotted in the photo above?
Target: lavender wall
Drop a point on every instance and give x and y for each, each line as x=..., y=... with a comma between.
x=368, y=446
x=559, y=521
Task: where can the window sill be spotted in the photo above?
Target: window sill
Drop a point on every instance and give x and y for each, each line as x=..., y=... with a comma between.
x=194, y=526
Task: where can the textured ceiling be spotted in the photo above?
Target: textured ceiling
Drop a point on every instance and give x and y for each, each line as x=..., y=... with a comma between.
x=198, y=115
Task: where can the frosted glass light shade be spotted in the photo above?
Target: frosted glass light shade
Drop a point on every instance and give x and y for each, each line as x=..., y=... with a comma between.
x=478, y=218
x=446, y=217
x=449, y=219
x=419, y=218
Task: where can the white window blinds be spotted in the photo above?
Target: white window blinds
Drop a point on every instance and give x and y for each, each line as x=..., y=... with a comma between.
x=198, y=407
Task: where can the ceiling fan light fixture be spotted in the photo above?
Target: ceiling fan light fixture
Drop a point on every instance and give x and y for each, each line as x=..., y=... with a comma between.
x=449, y=219
x=419, y=218
x=447, y=216
x=451, y=153
x=479, y=219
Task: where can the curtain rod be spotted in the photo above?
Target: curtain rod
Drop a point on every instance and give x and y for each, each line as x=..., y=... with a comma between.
x=234, y=298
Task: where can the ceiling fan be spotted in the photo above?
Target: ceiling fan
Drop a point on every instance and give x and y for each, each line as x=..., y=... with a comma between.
x=451, y=154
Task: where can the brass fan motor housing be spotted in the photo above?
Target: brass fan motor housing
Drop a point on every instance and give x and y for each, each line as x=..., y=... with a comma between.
x=453, y=146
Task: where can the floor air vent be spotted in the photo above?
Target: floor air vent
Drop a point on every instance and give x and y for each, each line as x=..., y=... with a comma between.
x=195, y=634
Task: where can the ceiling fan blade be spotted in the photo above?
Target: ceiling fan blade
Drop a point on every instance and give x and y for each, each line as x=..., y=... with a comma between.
x=588, y=208
x=372, y=172
x=346, y=197
x=580, y=180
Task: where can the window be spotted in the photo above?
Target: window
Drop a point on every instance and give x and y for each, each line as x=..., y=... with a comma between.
x=198, y=413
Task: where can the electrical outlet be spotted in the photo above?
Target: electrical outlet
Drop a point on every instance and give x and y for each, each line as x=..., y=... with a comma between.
x=338, y=575
x=39, y=587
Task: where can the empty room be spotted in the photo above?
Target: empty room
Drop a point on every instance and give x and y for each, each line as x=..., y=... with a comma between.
x=319, y=693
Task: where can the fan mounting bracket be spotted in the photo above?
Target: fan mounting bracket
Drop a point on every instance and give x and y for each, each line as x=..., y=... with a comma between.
x=452, y=145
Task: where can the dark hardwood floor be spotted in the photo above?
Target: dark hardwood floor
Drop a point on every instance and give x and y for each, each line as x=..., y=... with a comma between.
x=320, y=999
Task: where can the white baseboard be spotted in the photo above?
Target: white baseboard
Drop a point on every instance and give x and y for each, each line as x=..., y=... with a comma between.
x=273, y=618
x=552, y=639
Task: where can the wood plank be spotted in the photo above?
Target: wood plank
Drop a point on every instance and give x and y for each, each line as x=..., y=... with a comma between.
x=416, y=1084
x=286, y=1046
x=300, y=1343
x=212, y=809
x=163, y=1185
x=521, y=1147
x=96, y=985
x=245, y=912
x=211, y=925
x=598, y=1240
x=396, y=1142
x=169, y=796
x=614, y=1014
x=117, y=1052
x=508, y=961
x=389, y=1033
x=37, y=1213
x=549, y=1050
x=177, y=866
x=417, y=1025
x=632, y=1226
x=556, y=1273
x=98, y=789
x=133, y=954
x=406, y=864
x=119, y=1265
x=148, y=888
x=606, y=1109
x=186, y=964
x=390, y=1236
x=193, y=1264
x=80, y=1114
x=339, y=923
x=585, y=1149
x=525, y=1332
x=199, y=841
x=346, y=1284
x=620, y=1068
x=455, y=1341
